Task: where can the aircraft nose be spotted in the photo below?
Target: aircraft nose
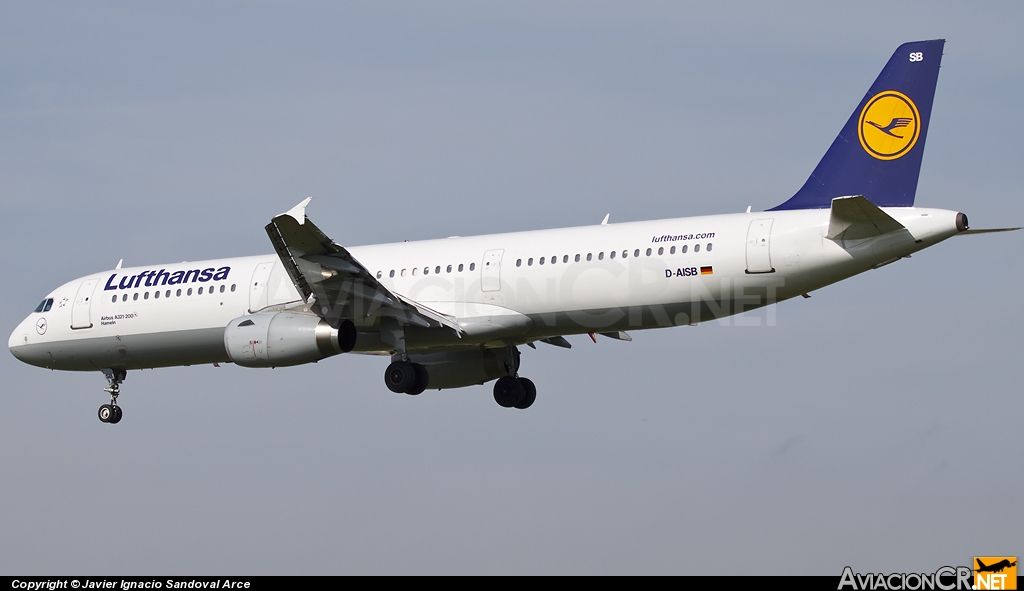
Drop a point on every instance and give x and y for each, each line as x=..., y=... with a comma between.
x=19, y=338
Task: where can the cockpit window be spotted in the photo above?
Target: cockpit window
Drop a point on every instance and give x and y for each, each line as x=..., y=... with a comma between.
x=45, y=305
x=42, y=304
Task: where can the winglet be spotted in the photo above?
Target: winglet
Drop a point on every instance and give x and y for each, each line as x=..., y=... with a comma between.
x=119, y=263
x=299, y=211
x=605, y=221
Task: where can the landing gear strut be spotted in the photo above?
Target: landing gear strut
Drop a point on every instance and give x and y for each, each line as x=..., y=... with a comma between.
x=512, y=391
x=111, y=413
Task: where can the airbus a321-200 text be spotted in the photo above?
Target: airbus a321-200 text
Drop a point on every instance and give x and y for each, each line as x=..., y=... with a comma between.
x=452, y=312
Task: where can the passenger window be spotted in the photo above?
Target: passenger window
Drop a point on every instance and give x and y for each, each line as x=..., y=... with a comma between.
x=611, y=254
x=415, y=271
x=625, y=254
x=177, y=293
x=661, y=250
x=221, y=290
x=392, y=273
x=529, y=263
x=168, y=293
x=437, y=270
x=648, y=252
x=519, y=262
x=472, y=266
x=124, y=297
x=190, y=291
x=200, y=292
x=577, y=258
x=696, y=248
x=145, y=296
x=380, y=274
x=426, y=270
x=460, y=267
x=589, y=256
x=672, y=250
x=565, y=258
x=636, y=252
x=112, y=300
x=554, y=260
x=135, y=297
x=541, y=261
x=403, y=272
x=709, y=247
x=683, y=249
x=232, y=287
x=156, y=294
x=449, y=268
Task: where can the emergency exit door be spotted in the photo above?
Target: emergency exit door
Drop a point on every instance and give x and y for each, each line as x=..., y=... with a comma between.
x=759, y=246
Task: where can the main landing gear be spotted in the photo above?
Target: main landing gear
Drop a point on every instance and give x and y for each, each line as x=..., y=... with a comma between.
x=510, y=391
x=111, y=413
x=406, y=377
x=514, y=392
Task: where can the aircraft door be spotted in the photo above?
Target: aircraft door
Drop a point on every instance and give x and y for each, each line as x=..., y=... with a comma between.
x=80, y=310
x=759, y=240
x=490, y=270
x=258, y=287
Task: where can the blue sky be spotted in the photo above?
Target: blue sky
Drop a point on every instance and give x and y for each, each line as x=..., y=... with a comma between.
x=874, y=425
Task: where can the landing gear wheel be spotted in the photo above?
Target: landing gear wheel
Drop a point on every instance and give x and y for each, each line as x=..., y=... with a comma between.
x=111, y=413
x=508, y=391
x=530, y=393
x=420, y=384
x=400, y=377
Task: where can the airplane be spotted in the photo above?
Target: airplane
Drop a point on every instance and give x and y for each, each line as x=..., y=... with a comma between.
x=453, y=312
x=994, y=568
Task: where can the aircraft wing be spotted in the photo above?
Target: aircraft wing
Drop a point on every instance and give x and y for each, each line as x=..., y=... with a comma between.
x=334, y=283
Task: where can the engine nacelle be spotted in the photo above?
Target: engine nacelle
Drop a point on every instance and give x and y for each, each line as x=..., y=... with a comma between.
x=466, y=368
x=285, y=338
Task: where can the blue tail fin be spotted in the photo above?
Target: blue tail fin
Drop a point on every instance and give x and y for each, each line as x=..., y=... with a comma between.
x=878, y=152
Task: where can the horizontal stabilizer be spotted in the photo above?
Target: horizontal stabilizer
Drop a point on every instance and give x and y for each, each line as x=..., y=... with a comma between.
x=854, y=218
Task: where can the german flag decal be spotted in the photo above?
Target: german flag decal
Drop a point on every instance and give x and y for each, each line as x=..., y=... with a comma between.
x=706, y=271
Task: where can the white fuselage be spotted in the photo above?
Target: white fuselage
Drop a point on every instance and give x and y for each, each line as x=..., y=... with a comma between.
x=502, y=289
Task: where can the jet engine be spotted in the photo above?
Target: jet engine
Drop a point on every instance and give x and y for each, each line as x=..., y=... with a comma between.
x=285, y=338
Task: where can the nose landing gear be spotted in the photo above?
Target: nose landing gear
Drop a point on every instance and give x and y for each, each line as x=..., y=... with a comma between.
x=111, y=413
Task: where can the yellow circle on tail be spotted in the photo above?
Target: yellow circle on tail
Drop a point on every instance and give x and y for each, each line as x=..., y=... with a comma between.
x=889, y=125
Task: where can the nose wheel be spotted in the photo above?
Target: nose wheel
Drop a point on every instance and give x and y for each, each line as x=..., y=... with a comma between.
x=111, y=413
